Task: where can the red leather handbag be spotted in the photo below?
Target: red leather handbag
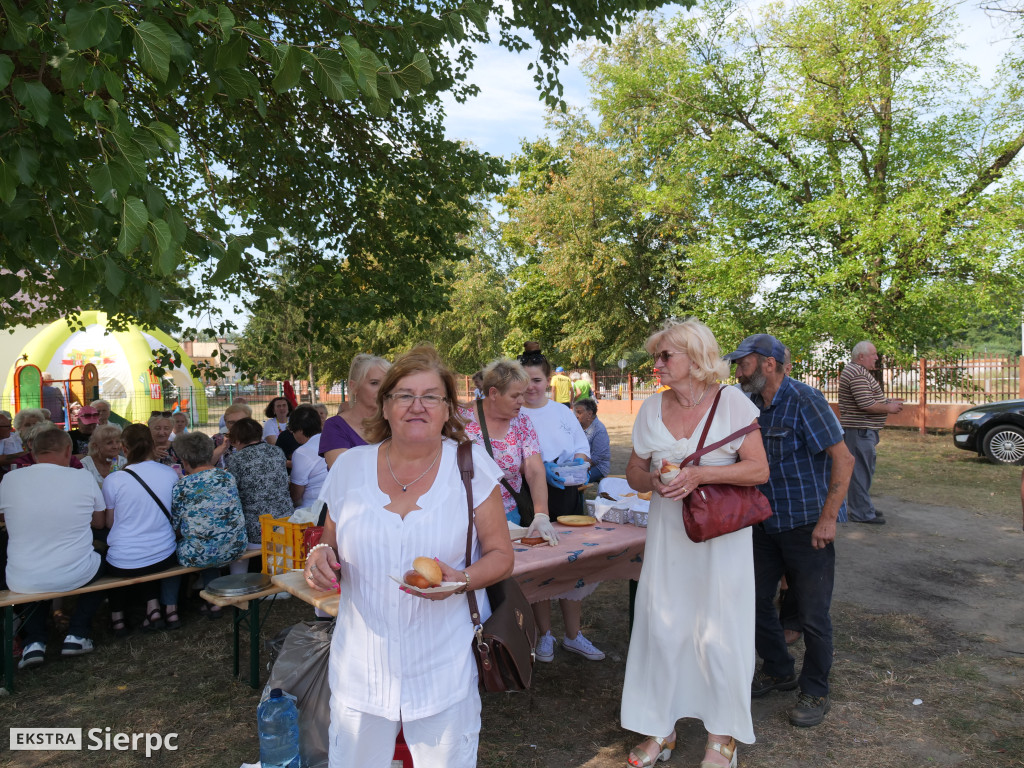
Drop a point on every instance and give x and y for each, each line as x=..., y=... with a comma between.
x=719, y=508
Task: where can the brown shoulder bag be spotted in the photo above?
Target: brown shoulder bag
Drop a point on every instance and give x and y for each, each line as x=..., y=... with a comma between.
x=503, y=646
x=719, y=508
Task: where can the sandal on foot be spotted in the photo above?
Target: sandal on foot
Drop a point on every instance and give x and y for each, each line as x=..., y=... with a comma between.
x=214, y=613
x=118, y=627
x=728, y=751
x=641, y=758
x=154, y=621
x=172, y=621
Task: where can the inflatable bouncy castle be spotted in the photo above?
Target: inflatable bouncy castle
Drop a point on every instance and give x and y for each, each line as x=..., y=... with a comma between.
x=116, y=363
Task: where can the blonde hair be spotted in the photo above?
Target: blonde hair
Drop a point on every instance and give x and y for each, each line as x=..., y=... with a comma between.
x=416, y=360
x=360, y=368
x=100, y=435
x=501, y=374
x=697, y=341
x=239, y=408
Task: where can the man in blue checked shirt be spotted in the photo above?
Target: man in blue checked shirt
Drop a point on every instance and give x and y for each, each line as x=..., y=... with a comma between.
x=810, y=472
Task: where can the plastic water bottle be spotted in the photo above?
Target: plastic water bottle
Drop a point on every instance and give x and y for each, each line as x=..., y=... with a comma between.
x=277, y=719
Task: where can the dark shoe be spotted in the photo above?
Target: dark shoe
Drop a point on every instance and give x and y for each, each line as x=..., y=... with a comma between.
x=872, y=521
x=172, y=621
x=764, y=683
x=809, y=710
x=118, y=627
x=154, y=621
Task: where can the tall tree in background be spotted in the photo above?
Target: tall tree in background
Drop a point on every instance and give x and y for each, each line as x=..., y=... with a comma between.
x=846, y=175
x=151, y=150
x=595, y=275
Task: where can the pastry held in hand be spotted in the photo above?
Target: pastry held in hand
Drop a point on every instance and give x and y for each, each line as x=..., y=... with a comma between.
x=425, y=573
x=669, y=471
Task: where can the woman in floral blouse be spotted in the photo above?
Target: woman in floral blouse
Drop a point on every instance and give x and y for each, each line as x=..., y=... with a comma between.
x=262, y=478
x=513, y=441
x=205, y=509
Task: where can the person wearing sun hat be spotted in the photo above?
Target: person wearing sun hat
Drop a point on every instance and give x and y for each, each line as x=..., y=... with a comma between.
x=561, y=388
x=88, y=418
x=809, y=472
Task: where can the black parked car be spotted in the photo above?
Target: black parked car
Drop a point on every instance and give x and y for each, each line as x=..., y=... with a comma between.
x=994, y=430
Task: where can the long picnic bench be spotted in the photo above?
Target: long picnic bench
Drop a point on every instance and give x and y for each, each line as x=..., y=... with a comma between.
x=9, y=599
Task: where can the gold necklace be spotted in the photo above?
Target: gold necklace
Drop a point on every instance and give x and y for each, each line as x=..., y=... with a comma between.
x=699, y=400
x=405, y=486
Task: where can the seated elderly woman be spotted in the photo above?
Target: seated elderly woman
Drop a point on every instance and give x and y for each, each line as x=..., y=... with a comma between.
x=141, y=539
x=27, y=435
x=206, y=510
x=221, y=443
x=50, y=510
x=600, y=446
x=262, y=479
x=104, y=452
x=161, y=426
x=85, y=418
x=179, y=425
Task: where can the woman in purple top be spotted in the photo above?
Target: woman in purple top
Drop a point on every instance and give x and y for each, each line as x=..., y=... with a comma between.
x=345, y=430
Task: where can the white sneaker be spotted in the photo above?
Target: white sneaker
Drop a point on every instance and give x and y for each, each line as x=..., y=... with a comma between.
x=33, y=655
x=583, y=647
x=546, y=648
x=76, y=646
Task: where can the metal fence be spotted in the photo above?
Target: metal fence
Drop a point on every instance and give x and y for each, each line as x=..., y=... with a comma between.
x=950, y=380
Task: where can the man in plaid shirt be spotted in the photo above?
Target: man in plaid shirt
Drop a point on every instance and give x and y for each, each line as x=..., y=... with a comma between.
x=810, y=472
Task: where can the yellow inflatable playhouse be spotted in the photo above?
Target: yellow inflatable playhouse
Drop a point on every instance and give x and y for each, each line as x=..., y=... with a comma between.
x=122, y=360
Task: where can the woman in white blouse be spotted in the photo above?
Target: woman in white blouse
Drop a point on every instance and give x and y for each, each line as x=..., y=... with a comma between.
x=401, y=659
x=104, y=452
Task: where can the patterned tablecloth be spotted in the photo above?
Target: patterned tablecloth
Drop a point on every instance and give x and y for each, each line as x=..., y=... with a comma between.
x=583, y=556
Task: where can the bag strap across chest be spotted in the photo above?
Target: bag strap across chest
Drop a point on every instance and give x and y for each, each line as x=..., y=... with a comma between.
x=694, y=458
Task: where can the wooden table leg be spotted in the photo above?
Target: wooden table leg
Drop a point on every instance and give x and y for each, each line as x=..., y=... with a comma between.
x=8, y=649
x=254, y=643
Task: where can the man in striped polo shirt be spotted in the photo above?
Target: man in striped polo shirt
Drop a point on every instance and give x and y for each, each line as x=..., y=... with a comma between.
x=862, y=412
x=810, y=470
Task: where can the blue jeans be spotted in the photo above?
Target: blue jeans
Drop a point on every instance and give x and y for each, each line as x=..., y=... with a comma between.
x=811, y=575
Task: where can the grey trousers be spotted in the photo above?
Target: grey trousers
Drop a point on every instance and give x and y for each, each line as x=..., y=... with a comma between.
x=862, y=443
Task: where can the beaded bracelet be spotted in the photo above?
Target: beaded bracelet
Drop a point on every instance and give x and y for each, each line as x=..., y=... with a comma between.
x=315, y=547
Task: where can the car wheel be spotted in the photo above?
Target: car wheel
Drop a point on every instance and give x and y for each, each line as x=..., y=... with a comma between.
x=1005, y=445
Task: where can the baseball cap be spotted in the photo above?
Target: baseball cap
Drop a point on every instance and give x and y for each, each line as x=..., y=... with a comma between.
x=760, y=343
x=559, y=369
x=88, y=415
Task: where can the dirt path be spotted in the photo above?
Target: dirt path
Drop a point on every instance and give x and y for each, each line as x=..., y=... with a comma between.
x=944, y=564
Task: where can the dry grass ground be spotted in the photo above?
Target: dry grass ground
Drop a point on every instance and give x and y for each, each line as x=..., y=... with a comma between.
x=949, y=549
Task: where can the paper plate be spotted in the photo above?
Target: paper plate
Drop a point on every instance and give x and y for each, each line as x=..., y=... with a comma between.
x=577, y=520
x=446, y=586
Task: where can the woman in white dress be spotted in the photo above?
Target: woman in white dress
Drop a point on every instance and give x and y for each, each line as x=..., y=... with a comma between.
x=399, y=658
x=691, y=653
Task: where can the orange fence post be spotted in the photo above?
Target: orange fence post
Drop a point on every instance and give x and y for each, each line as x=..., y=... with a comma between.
x=922, y=394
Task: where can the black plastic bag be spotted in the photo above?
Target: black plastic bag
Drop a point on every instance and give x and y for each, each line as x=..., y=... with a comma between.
x=301, y=670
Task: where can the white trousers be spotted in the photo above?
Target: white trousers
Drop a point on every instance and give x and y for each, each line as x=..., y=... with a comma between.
x=448, y=739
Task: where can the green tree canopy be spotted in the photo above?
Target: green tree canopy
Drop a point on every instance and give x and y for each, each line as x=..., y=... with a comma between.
x=150, y=151
x=844, y=175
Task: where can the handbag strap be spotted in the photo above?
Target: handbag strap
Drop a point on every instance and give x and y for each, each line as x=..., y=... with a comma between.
x=487, y=446
x=701, y=450
x=150, y=492
x=465, y=458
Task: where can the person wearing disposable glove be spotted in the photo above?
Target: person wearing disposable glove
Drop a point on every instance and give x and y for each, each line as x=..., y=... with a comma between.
x=512, y=442
x=561, y=439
